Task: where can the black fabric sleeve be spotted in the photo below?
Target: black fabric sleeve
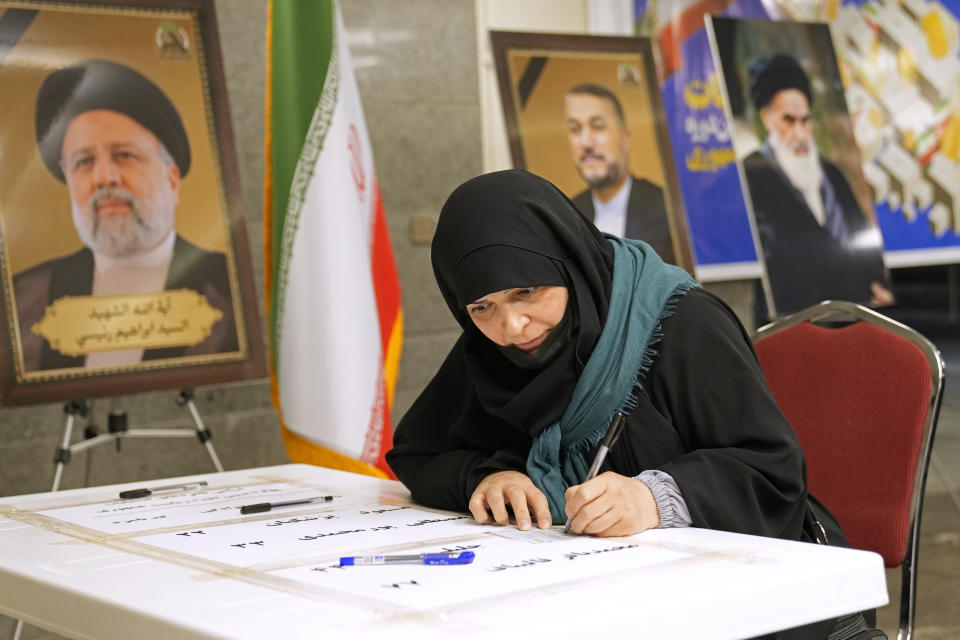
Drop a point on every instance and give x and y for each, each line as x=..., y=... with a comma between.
x=446, y=443
x=743, y=469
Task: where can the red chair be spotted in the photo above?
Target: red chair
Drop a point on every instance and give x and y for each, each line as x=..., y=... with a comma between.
x=863, y=394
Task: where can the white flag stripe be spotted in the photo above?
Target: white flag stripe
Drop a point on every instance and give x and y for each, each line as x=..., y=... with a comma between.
x=329, y=360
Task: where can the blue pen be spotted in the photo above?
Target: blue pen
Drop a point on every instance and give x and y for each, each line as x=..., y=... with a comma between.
x=464, y=557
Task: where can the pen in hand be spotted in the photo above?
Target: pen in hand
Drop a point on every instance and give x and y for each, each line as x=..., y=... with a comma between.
x=616, y=426
x=143, y=493
x=262, y=507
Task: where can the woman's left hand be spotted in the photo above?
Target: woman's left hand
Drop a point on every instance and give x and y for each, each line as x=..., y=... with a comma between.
x=611, y=505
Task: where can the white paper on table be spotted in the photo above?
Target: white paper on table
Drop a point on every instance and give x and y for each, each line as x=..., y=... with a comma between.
x=303, y=544
x=183, y=508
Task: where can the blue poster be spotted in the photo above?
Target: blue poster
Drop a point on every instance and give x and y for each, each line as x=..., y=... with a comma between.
x=900, y=63
x=717, y=218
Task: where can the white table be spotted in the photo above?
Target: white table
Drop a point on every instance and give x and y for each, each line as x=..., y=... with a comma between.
x=186, y=564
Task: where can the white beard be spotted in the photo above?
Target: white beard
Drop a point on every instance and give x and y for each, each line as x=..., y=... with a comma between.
x=117, y=236
x=803, y=170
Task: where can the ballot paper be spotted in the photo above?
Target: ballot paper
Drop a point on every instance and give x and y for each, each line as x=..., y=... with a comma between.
x=303, y=543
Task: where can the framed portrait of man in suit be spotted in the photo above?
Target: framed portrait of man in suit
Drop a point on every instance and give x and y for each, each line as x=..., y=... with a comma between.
x=124, y=261
x=585, y=112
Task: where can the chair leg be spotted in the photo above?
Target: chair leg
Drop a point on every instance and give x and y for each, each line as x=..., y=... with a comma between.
x=17, y=629
x=908, y=597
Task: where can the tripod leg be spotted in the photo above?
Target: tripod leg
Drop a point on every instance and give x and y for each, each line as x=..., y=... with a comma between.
x=186, y=399
x=62, y=455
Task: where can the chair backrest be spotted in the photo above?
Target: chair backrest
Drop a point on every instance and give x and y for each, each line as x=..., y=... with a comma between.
x=863, y=399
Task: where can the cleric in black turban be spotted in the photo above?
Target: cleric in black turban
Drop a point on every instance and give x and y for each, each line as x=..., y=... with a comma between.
x=773, y=73
x=118, y=144
x=101, y=84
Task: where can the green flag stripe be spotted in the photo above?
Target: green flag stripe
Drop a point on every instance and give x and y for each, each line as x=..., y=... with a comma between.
x=312, y=146
x=303, y=97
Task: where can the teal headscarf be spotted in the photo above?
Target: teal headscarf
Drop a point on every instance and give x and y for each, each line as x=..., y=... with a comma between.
x=644, y=292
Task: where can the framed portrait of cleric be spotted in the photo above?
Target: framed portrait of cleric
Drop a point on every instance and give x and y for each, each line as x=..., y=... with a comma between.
x=800, y=169
x=124, y=259
x=585, y=112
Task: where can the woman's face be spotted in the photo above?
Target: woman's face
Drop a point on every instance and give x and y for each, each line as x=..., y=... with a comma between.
x=519, y=318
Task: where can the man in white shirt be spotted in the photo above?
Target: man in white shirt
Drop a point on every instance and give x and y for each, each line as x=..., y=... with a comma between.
x=615, y=201
x=119, y=145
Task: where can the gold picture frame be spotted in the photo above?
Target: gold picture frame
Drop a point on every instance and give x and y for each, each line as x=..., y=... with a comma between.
x=536, y=74
x=168, y=300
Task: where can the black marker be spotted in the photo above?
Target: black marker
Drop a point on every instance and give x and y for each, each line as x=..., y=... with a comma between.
x=260, y=507
x=143, y=493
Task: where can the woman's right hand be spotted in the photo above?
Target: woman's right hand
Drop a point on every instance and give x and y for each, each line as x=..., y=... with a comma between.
x=513, y=488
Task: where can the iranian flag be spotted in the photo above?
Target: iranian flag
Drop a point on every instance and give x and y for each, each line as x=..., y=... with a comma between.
x=334, y=320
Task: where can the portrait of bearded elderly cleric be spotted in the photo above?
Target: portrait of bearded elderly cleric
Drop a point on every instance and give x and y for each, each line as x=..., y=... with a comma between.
x=118, y=144
x=817, y=243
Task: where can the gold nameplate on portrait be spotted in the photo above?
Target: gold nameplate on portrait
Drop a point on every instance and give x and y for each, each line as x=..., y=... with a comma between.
x=78, y=325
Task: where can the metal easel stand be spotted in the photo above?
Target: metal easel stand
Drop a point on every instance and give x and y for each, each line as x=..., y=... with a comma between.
x=117, y=430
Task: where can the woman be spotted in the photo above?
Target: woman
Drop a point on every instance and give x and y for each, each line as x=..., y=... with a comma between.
x=562, y=328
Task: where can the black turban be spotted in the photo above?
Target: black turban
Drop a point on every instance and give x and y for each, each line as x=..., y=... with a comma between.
x=773, y=73
x=100, y=84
